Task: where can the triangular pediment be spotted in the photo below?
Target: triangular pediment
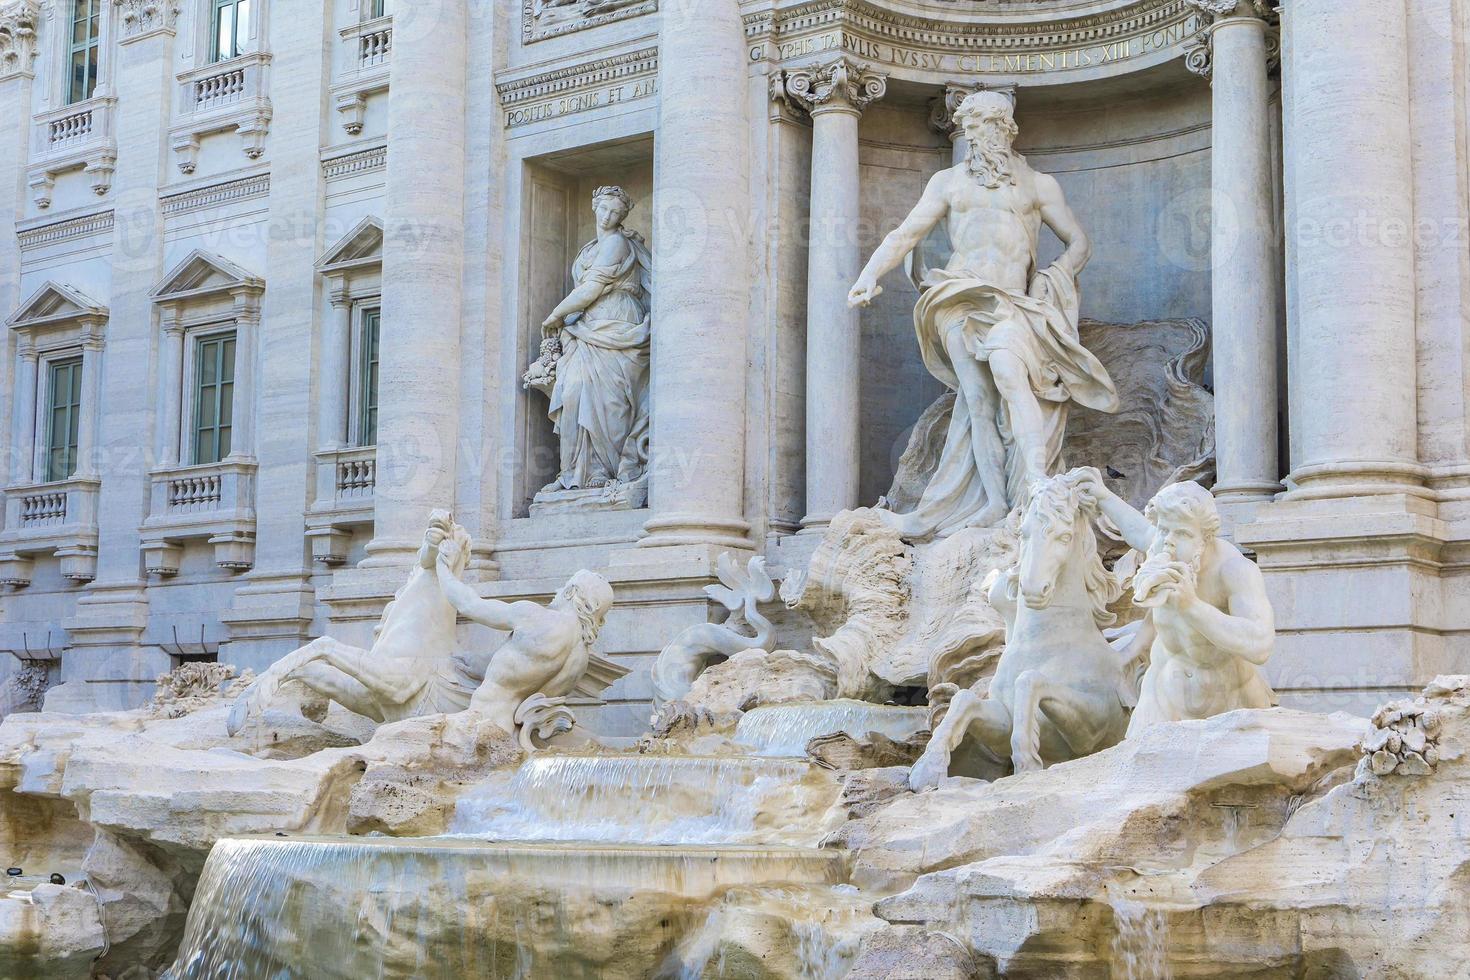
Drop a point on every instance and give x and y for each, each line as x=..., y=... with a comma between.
x=363, y=245
x=201, y=273
x=55, y=302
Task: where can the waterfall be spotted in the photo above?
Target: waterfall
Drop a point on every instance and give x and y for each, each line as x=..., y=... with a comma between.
x=785, y=729
x=649, y=799
x=441, y=909
x=1140, y=941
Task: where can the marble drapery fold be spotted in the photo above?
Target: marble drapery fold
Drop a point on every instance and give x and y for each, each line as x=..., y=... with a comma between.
x=1039, y=328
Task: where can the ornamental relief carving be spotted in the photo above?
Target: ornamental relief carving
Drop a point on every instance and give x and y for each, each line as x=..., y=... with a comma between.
x=541, y=19
x=141, y=17
x=17, y=36
x=1000, y=42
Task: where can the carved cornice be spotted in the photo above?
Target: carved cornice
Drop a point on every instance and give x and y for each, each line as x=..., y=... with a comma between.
x=65, y=230
x=227, y=192
x=144, y=18
x=17, y=37
x=594, y=85
x=840, y=85
x=360, y=162
x=1227, y=8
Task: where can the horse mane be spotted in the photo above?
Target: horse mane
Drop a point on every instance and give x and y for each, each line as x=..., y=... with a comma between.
x=1059, y=501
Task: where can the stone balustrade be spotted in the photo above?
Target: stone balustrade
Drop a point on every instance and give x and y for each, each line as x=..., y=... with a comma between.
x=214, y=501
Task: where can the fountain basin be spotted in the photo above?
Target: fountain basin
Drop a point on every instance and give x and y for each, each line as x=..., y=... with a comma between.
x=449, y=908
x=783, y=730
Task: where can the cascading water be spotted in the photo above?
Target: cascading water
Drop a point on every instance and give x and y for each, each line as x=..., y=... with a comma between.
x=649, y=799
x=785, y=729
x=438, y=908
x=569, y=867
x=1140, y=941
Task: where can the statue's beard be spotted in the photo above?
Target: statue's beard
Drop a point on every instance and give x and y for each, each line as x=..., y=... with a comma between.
x=992, y=160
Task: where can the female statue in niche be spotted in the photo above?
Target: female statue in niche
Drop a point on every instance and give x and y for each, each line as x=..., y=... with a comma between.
x=594, y=358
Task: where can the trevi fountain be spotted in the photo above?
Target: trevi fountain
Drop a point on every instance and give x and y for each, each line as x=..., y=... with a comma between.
x=986, y=520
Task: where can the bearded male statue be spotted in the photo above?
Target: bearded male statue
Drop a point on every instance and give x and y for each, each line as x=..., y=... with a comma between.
x=997, y=331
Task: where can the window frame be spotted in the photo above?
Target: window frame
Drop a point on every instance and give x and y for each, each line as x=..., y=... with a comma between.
x=92, y=42
x=365, y=382
x=242, y=28
x=194, y=341
x=50, y=362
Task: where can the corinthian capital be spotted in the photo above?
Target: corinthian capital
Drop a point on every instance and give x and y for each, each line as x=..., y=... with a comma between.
x=17, y=36
x=1230, y=8
x=842, y=84
x=141, y=18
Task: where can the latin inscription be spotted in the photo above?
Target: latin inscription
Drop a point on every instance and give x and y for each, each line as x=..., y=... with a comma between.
x=608, y=95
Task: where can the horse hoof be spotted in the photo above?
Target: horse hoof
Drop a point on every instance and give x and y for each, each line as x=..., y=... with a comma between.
x=239, y=714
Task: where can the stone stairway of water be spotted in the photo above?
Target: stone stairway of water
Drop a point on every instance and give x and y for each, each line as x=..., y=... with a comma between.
x=605, y=865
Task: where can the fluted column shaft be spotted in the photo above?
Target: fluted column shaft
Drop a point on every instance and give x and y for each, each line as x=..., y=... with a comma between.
x=702, y=264
x=1349, y=172
x=1243, y=262
x=836, y=95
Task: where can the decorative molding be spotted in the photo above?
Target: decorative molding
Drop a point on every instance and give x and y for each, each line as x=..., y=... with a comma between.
x=594, y=85
x=1227, y=8
x=227, y=192
x=840, y=85
x=541, y=19
x=354, y=163
x=18, y=37
x=55, y=232
x=143, y=18
x=1004, y=43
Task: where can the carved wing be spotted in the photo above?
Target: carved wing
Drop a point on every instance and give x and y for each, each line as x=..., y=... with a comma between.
x=601, y=674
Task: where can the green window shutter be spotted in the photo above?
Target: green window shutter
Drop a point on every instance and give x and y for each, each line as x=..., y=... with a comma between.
x=367, y=371
x=64, y=404
x=214, y=390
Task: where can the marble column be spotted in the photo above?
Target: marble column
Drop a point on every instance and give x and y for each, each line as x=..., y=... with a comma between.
x=24, y=439
x=423, y=258
x=91, y=402
x=700, y=313
x=835, y=94
x=170, y=389
x=1243, y=253
x=336, y=345
x=1350, y=173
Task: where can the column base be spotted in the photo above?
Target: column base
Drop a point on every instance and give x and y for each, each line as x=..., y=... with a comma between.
x=680, y=530
x=1358, y=478
x=816, y=523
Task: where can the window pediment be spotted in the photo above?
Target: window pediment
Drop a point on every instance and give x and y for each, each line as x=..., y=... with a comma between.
x=56, y=303
x=204, y=274
x=359, y=248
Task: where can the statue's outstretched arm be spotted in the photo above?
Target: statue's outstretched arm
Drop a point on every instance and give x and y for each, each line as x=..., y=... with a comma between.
x=930, y=210
x=487, y=612
x=1059, y=218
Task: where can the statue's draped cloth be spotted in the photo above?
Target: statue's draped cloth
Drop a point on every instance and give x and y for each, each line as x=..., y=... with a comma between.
x=602, y=375
x=1041, y=330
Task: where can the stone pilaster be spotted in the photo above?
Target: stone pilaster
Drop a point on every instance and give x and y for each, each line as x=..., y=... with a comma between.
x=701, y=299
x=835, y=94
x=423, y=259
x=275, y=603
x=1244, y=265
x=107, y=629
x=18, y=19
